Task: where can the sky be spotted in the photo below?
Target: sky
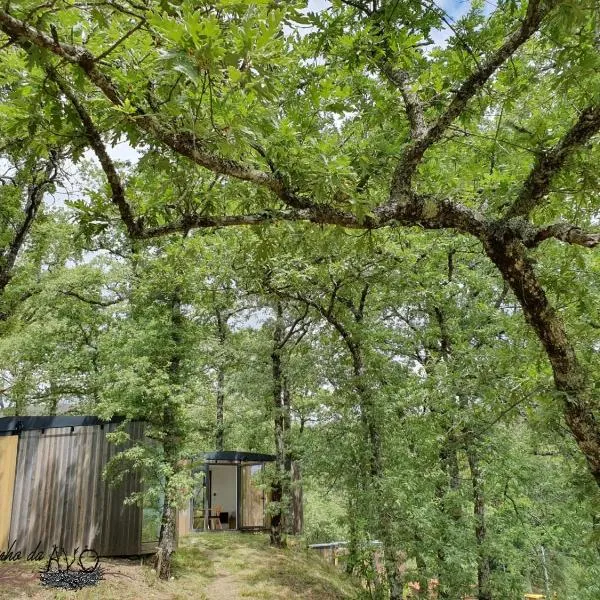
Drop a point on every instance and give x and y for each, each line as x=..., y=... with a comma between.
x=454, y=8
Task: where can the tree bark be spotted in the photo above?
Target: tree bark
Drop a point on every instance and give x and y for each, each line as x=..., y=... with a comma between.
x=278, y=487
x=449, y=465
x=166, y=544
x=483, y=560
x=517, y=269
x=171, y=447
x=220, y=425
x=382, y=518
x=297, y=504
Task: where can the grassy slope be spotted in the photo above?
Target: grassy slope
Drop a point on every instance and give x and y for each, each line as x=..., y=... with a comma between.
x=227, y=566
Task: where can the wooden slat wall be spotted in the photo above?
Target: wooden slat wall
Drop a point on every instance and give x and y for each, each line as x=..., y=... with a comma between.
x=184, y=520
x=253, y=514
x=8, y=462
x=123, y=523
x=60, y=497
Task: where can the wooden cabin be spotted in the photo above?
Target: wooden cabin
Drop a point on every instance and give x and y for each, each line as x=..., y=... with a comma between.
x=52, y=491
x=229, y=495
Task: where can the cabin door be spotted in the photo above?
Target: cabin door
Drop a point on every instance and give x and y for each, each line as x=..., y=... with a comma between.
x=223, y=495
x=252, y=498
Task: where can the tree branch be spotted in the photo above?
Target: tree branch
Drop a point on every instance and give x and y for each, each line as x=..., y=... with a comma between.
x=92, y=301
x=399, y=78
x=362, y=302
x=35, y=195
x=565, y=232
x=401, y=181
x=188, y=222
x=430, y=212
x=412, y=103
x=427, y=212
x=76, y=55
x=133, y=226
x=123, y=38
x=183, y=142
x=292, y=330
x=510, y=257
x=549, y=163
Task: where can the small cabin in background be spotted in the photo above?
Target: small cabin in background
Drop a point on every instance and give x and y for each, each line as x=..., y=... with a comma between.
x=229, y=496
x=52, y=491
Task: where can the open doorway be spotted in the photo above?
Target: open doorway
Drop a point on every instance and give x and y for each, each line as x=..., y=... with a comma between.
x=222, y=486
x=232, y=486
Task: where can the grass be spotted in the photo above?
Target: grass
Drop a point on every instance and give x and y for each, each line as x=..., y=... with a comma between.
x=225, y=566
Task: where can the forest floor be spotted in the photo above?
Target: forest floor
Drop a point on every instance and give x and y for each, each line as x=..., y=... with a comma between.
x=218, y=566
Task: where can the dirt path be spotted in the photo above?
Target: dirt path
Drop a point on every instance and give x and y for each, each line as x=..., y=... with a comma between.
x=207, y=567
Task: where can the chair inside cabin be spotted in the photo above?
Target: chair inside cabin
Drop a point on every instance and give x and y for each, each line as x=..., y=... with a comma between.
x=214, y=517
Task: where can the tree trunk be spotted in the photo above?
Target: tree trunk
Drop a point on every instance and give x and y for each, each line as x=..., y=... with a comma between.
x=297, y=504
x=380, y=517
x=171, y=446
x=293, y=516
x=449, y=465
x=53, y=399
x=517, y=269
x=545, y=572
x=167, y=536
x=220, y=425
x=220, y=428
x=483, y=559
x=278, y=487
x=166, y=544
x=352, y=560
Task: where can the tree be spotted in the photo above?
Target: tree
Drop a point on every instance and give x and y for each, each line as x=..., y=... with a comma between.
x=150, y=373
x=285, y=325
x=50, y=345
x=222, y=95
x=26, y=179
